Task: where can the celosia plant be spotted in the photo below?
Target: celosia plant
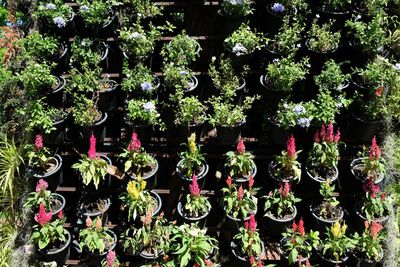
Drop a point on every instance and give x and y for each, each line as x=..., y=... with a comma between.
x=95, y=236
x=297, y=243
x=239, y=203
x=337, y=245
x=288, y=168
x=111, y=260
x=374, y=163
x=375, y=204
x=249, y=239
x=196, y=205
x=92, y=168
x=280, y=202
x=192, y=158
x=369, y=244
x=47, y=232
x=240, y=162
x=38, y=155
x=40, y=196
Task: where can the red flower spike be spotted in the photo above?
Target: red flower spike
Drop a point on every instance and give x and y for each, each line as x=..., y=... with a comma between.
x=294, y=226
x=194, y=188
x=260, y=264
x=337, y=136
x=60, y=214
x=135, y=143
x=316, y=137
x=323, y=132
x=252, y=227
x=379, y=91
x=308, y=263
x=208, y=262
x=366, y=224
x=252, y=260
x=92, y=147
x=251, y=182
x=375, y=228
x=299, y=260
x=329, y=133
x=241, y=147
x=38, y=142
x=111, y=258
x=291, y=147
x=300, y=228
x=370, y=187
x=284, y=189
x=229, y=181
x=43, y=217
x=240, y=193
x=374, y=152
x=383, y=196
x=41, y=186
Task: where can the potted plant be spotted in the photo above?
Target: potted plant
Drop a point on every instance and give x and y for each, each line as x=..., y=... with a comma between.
x=328, y=211
x=190, y=116
x=286, y=168
x=182, y=50
x=93, y=205
x=139, y=164
x=192, y=245
x=93, y=167
x=231, y=15
x=280, y=208
x=137, y=199
x=111, y=260
x=338, y=10
x=369, y=8
x=247, y=246
x=140, y=82
x=144, y=9
x=335, y=248
x=297, y=245
x=179, y=78
x=96, y=240
x=332, y=78
x=52, y=201
x=324, y=156
x=241, y=44
x=369, y=245
x=42, y=165
x=151, y=240
x=55, y=16
x=277, y=11
x=50, y=238
x=238, y=203
x=194, y=207
x=192, y=163
x=239, y=164
x=369, y=164
x=48, y=121
x=88, y=52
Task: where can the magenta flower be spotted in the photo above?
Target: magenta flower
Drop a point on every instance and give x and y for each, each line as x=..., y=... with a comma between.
x=337, y=136
x=316, y=137
x=240, y=193
x=43, y=217
x=60, y=214
x=241, y=147
x=251, y=224
x=251, y=182
x=38, y=142
x=329, y=133
x=111, y=257
x=92, y=147
x=370, y=187
x=135, y=144
x=322, y=132
x=284, y=189
x=375, y=152
x=229, y=181
x=41, y=186
x=194, y=187
x=291, y=147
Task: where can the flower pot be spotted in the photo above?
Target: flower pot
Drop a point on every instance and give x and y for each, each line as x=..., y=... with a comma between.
x=240, y=92
x=93, y=205
x=285, y=256
x=318, y=58
x=61, y=59
x=332, y=175
x=229, y=135
x=182, y=132
x=56, y=136
x=243, y=179
x=59, y=255
x=362, y=261
x=201, y=220
x=290, y=179
x=57, y=203
x=95, y=258
x=100, y=31
x=240, y=260
x=360, y=218
x=320, y=223
x=359, y=57
x=276, y=226
x=327, y=262
x=238, y=61
x=98, y=129
x=108, y=98
x=191, y=91
x=150, y=256
x=271, y=97
x=339, y=18
x=357, y=167
x=144, y=132
x=362, y=130
x=201, y=175
x=103, y=184
x=54, y=176
x=225, y=25
x=150, y=177
x=275, y=20
x=278, y=135
x=55, y=98
x=153, y=94
x=233, y=224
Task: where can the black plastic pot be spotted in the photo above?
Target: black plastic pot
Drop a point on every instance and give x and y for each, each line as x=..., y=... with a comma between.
x=276, y=226
x=95, y=259
x=318, y=59
x=271, y=97
x=60, y=255
x=89, y=199
x=363, y=131
x=358, y=163
x=322, y=179
x=150, y=178
x=365, y=262
x=320, y=223
x=192, y=90
x=61, y=59
x=103, y=184
x=243, y=180
x=238, y=61
x=275, y=20
x=55, y=177
x=229, y=135
x=278, y=134
x=182, y=132
x=100, y=31
x=144, y=132
x=56, y=136
x=108, y=98
x=48, y=27
x=339, y=18
x=61, y=199
x=233, y=224
x=56, y=97
x=359, y=57
x=359, y=219
x=241, y=260
x=326, y=262
x=291, y=179
x=225, y=25
x=201, y=221
x=186, y=181
x=98, y=129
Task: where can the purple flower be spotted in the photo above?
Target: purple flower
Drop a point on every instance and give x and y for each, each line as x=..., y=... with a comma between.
x=396, y=66
x=135, y=35
x=84, y=8
x=183, y=72
x=146, y=86
x=50, y=6
x=149, y=106
x=304, y=122
x=278, y=8
x=239, y=49
x=298, y=109
x=60, y=22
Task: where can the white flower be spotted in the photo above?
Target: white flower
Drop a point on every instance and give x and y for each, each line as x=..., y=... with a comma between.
x=298, y=109
x=358, y=16
x=298, y=45
x=149, y=106
x=84, y=8
x=50, y=6
x=276, y=60
x=135, y=35
x=317, y=16
x=183, y=72
x=304, y=122
x=213, y=59
x=239, y=49
x=60, y=22
x=146, y=87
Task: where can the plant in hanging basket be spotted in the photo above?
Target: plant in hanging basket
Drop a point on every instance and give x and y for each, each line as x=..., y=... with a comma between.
x=324, y=156
x=286, y=167
x=290, y=114
x=375, y=205
x=181, y=50
x=280, y=203
x=234, y=8
x=55, y=12
x=96, y=238
x=336, y=245
x=240, y=163
x=196, y=205
x=96, y=12
x=143, y=112
x=329, y=209
x=111, y=260
x=51, y=201
x=179, y=78
x=192, y=244
x=332, y=77
x=243, y=41
x=369, y=245
x=152, y=239
x=297, y=245
x=140, y=80
x=92, y=168
x=321, y=38
x=40, y=162
x=239, y=202
x=190, y=111
x=87, y=52
x=39, y=47
x=192, y=160
x=42, y=117
x=85, y=111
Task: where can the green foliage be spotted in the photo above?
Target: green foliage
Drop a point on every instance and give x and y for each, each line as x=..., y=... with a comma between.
x=140, y=79
x=85, y=111
x=250, y=242
x=190, y=111
x=95, y=236
x=336, y=244
x=287, y=41
x=47, y=234
x=57, y=13
x=234, y=8
x=42, y=117
x=328, y=106
x=34, y=199
x=375, y=205
x=137, y=161
x=96, y=12
x=192, y=158
x=288, y=114
x=280, y=202
x=37, y=78
x=85, y=52
x=321, y=38
x=39, y=47
x=39, y=157
x=92, y=170
x=196, y=205
x=331, y=77
x=84, y=81
x=287, y=167
x=143, y=112
x=144, y=8
x=324, y=153
x=181, y=50
x=337, y=5
x=177, y=77
x=329, y=201
x=373, y=7
x=239, y=164
x=3, y=14
x=192, y=243
x=370, y=242
x=238, y=203
x=243, y=41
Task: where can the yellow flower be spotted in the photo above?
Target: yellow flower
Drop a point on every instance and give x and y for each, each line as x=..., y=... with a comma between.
x=336, y=230
x=139, y=177
x=132, y=189
x=192, y=143
x=143, y=185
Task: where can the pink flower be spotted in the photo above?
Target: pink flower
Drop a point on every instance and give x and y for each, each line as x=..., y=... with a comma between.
x=135, y=144
x=260, y=264
x=111, y=258
x=252, y=260
x=89, y=222
x=240, y=147
x=41, y=186
x=291, y=147
x=379, y=91
x=337, y=136
x=375, y=228
x=229, y=181
x=284, y=189
x=294, y=226
x=60, y=214
x=308, y=263
x=300, y=227
x=252, y=224
x=99, y=224
x=329, y=133
x=322, y=133
x=375, y=152
x=383, y=196
x=316, y=137
x=92, y=147
x=194, y=187
x=43, y=217
x=251, y=182
x=240, y=193
x=39, y=142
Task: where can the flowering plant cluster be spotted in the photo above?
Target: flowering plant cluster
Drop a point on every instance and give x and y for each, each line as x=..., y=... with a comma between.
x=38, y=155
x=96, y=12
x=376, y=203
x=240, y=162
x=336, y=244
x=111, y=260
x=140, y=79
x=243, y=41
x=249, y=239
x=181, y=50
x=92, y=168
x=327, y=106
x=192, y=158
x=239, y=203
x=297, y=243
x=95, y=236
x=288, y=168
x=290, y=114
x=280, y=202
x=369, y=243
x=48, y=232
x=327, y=209
x=374, y=164
x=138, y=161
x=55, y=12
x=85, y=52
x=287, y=41
x=40, y=196
x=196, y=205
x=332, y=77
x=143, y=112
x=84, y=80
x=321, y=38
x=236, y=8
x=37, y=78
x=190, y=111
x=178, y=77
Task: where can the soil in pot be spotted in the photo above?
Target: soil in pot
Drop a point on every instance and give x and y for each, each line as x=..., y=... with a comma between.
x=149, y=174
x=59, y=253
x=98, y=129
x=201, y=220
x=362, y=261
x=320, y=174
x=57, y=203
x=274, y=226
x=201, y=174
x=357, y=167
x=53, y=174
x=93, y=206
x=107, y=95
x=333, y=214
